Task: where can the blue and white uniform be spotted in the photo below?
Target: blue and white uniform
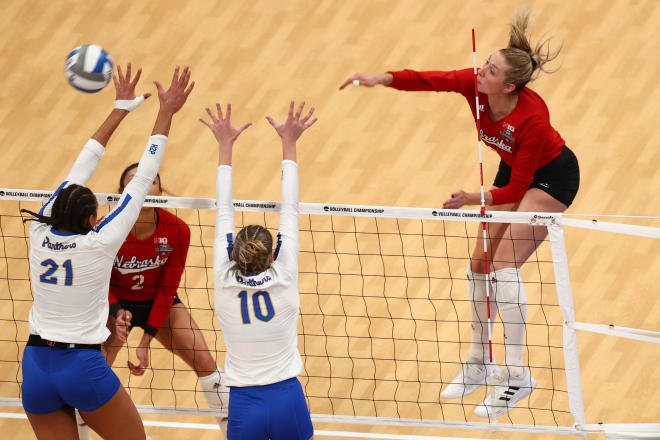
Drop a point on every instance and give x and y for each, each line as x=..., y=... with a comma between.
x=259, y=319
x=70, y=274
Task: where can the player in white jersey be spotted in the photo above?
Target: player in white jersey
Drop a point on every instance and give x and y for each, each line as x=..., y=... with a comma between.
x=70, y=263
x=257, y=299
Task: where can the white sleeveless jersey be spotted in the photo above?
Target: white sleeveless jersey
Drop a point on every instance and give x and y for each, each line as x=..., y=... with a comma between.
x=259, y=314
x=70, y=273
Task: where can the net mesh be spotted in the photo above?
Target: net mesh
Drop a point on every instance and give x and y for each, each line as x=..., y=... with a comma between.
x=384, y=320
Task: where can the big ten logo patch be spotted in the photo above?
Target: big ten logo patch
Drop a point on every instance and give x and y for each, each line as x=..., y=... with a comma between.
x=163, y=246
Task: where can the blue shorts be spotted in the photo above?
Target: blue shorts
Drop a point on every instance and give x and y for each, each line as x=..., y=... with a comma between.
x=277, y=411
x=53, y=378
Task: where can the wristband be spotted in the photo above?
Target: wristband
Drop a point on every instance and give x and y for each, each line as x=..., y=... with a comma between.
x=129, y=104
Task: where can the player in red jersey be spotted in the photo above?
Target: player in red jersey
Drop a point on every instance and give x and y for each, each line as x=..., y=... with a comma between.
x=143, y=293
x=537, y=173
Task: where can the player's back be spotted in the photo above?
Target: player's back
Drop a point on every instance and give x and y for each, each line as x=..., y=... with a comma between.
x=259, y=318
x=70, y=274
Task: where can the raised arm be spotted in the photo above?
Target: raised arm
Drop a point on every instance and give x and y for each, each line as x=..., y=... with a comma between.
x=368, y=80
x=115, y=226
x=226, y=135
x=459, y=81
x=287, y=248
x=93, y=150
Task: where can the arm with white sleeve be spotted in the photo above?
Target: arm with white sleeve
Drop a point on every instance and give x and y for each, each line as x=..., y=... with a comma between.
x=224, y=217
x=226, y=135
x=286, y=252
x=288, y=244
x=114, y=228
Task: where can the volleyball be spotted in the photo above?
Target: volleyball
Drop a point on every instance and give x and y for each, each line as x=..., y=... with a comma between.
x=88, y=68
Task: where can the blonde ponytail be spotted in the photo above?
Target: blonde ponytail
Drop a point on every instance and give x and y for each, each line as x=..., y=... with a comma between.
x=526, y=63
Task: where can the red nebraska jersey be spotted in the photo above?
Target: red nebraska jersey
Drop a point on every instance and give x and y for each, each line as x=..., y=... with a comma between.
x=151, y=269
x=524, y=139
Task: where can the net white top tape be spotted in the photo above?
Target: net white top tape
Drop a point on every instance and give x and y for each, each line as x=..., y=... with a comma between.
x=533, y=218
x=312, y=208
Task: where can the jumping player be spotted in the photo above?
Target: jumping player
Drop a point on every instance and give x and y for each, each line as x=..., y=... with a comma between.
x=257, y=299
x=70, y=264
x=537, y=173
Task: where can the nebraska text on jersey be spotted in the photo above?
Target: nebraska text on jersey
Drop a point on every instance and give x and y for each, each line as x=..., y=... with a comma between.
x=496, y=142
x=135, y=265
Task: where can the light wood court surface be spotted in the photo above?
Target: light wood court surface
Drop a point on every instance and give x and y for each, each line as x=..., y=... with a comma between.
x=370, y=146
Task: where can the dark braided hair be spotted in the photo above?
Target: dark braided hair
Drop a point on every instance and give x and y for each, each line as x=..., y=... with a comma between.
x=71, y=210
x=252, y=248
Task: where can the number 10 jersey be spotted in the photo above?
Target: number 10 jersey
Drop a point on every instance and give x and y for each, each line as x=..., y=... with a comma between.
x=259, y=313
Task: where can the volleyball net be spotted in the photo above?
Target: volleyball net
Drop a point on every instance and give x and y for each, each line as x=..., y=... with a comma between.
x=385, y=320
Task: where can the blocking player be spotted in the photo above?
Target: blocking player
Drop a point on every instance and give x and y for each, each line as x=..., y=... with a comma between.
x=256, y=297
x=70, y=263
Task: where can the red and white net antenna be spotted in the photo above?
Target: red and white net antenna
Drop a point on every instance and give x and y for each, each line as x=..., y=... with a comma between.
x=483, y=200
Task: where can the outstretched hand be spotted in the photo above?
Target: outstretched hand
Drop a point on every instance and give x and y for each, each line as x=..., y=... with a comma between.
x=124, y=87
x=367, y=80
x=293, y=127
x=172, y=99
x=221, y=127
x=458, y=199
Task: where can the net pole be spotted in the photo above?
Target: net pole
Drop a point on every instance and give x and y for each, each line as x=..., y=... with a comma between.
x=483, y=198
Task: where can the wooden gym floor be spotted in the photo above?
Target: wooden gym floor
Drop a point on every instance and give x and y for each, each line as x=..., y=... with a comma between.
x=370, y=146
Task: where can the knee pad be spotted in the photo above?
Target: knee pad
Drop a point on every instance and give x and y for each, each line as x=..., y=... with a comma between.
x=509, y=290
x=476, y=285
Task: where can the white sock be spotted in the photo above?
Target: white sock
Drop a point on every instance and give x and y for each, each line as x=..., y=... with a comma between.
x=479, y=349
x=512, y=301
x=214, y=390
x=83, y=429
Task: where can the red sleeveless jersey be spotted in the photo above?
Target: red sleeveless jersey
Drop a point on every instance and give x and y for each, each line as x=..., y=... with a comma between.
x=524, y=139
x=151, y=269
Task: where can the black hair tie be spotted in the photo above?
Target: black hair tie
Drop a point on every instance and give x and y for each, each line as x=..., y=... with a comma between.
x=534, y=64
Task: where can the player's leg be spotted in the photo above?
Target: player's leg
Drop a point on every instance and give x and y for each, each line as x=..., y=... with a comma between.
x=54, y=426
x=112, y=346
x=116, y=419
x=181, y=335
x=476, y=276
x=521, y=240
x=289, y=415
x=94, y=389
x=517, y=245
x=473, y=373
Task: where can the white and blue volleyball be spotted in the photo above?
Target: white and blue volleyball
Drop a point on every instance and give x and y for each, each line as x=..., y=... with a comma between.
x=88, y=68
